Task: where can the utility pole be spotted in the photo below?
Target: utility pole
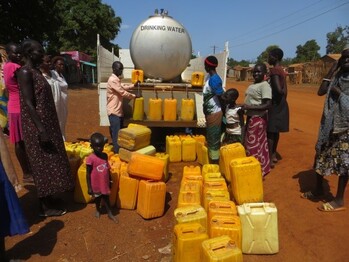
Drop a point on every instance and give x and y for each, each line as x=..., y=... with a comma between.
x=214, y=48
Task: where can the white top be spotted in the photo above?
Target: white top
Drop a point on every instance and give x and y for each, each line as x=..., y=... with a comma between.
x=232, y=117
x=60, y=96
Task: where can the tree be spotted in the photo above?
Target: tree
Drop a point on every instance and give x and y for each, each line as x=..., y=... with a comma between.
x=232, y=62
x=307, y=52
x=59, y=24
x=287, y=61
x=337, y=40
x=18, y=23
x=81, y=21
x=263, y=57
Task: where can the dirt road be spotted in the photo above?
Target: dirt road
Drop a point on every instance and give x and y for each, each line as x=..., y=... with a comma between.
x=305, y=234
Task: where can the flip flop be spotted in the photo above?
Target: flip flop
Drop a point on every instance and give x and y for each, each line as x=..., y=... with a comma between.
x=53, y=213
x=310, y=195
x=327, y=207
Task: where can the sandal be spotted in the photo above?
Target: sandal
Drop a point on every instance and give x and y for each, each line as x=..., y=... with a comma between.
x=331, y=207
x=52, y=212
x=310, y=195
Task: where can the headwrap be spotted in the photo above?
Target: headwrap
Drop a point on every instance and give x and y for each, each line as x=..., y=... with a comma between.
x=211, y=61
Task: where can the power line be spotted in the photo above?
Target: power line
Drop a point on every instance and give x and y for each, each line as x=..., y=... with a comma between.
x=282, y=30
x=276, y=20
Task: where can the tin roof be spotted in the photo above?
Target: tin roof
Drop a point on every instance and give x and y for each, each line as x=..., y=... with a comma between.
x=333, y=56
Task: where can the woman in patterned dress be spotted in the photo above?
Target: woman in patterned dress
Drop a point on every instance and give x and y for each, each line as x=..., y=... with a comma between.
x=332, y=147
x=257, y=102
x=41, y=131
x=212, y=92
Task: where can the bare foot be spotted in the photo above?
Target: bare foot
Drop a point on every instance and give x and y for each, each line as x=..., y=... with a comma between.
x=116, y=221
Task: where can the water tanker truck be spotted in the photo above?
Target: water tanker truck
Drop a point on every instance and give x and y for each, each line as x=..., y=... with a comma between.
x=160, y=57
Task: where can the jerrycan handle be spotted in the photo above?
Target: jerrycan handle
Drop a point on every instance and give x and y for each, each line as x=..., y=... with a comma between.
x=246, y=161
x=259, y=207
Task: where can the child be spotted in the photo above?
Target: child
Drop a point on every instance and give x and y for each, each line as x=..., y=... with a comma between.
x=98, y=176
x=12, y=221
x=233, y=116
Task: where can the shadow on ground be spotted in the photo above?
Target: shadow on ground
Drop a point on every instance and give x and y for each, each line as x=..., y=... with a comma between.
x=41, y=243
x=307, y=182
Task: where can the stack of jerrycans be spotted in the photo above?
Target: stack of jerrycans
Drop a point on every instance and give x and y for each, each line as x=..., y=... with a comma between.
x=189, y=232
x=191, y=187
x=214, y=185
x=191, y=219
x=134, y=137
x=151, y=191
x=222, y=214
x=258, y=219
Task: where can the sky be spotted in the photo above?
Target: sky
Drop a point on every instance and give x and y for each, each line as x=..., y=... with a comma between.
x=249, y=26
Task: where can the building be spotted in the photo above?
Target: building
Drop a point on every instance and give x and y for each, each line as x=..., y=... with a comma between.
x=79, y=68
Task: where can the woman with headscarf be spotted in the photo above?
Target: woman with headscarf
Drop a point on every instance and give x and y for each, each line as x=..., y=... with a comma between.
x=212, y=92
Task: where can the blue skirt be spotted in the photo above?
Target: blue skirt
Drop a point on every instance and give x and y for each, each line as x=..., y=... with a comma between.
x=12, y=220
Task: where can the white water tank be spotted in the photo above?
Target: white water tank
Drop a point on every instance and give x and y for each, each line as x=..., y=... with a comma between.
x=161, y=47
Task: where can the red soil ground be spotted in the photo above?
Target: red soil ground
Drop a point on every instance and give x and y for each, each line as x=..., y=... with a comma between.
x=305, y=234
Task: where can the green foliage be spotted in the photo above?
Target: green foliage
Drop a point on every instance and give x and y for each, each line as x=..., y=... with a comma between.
x=287, y=61
x=263, y=57
x=337, y=40
x=60, y=25
x=22, y=19
x=307, y=52
x=232, y=62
